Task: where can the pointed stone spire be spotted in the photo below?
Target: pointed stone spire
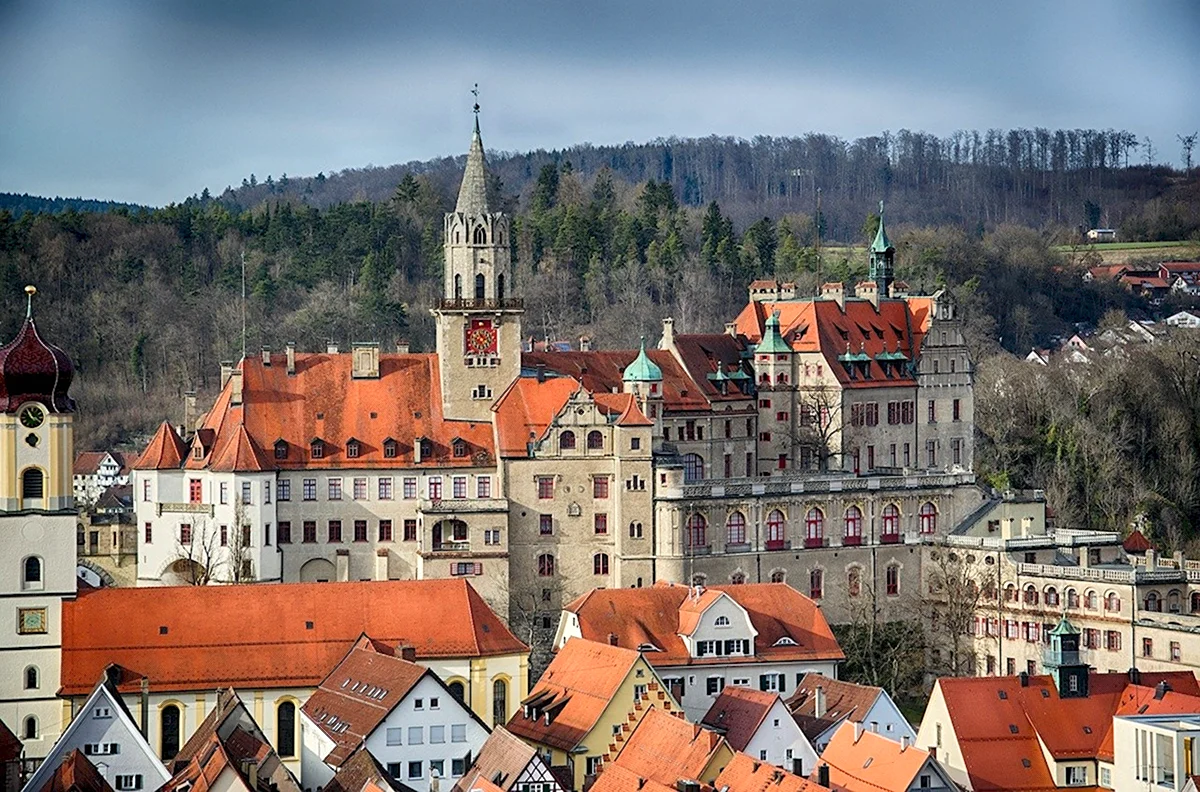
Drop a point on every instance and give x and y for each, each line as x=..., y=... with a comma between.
x=881, y=243
x=472, y=195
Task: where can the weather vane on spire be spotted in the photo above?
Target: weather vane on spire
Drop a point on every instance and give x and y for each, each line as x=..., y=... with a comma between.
x=881, y=208
x=29, y=291
x=475, y=93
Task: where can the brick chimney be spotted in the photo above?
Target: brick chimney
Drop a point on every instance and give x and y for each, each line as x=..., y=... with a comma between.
x=290, y=351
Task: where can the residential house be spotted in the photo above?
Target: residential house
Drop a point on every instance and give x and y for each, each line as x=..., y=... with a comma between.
x=758, y=723
x=96, y=471
x=586, y=703
x=405, y=717
x=1156, y=751
x=188, y=641
x=229, y=753
x=859, y=760
x=1186, y=319
x=105, y=732
x=73, y=774
x=701, y=639
x=511, y=765
x=361, y=773
x=744, y=773
x=1184, y=276
x=821, y=705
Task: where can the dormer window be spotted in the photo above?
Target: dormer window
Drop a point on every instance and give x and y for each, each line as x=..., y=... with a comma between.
x=198, y=450
x=317, y=448
x=458, y=447
x=353, y=448
x=648, y=647
x=281, y=449
x=786, y=641
x=391, y=449
x=426, y=448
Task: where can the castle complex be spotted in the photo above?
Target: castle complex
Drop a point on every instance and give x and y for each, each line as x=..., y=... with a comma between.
x=816, y=441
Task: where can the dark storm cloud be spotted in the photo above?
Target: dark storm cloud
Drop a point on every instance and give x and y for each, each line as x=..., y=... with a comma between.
x=152, y=101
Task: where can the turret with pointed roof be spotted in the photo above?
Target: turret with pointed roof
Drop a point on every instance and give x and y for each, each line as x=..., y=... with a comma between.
x=882, y=269
x=472, y=194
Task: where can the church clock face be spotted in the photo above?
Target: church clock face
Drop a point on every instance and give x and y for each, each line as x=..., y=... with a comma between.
x=481, y=337
x=32, y=417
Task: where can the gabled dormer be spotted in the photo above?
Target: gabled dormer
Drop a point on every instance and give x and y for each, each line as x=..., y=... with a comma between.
x=353, y=448
x=281, y=449
x=391, y=448
x=712, y=624
x=316, y=448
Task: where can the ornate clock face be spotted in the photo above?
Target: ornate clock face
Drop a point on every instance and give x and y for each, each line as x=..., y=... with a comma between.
x=32, y=417
x=481, y=337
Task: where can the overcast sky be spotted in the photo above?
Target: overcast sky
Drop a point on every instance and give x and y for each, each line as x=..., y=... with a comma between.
x=153, y=101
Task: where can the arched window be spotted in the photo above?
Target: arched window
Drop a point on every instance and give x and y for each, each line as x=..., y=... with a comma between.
x=697, y=531
x=778, y=576
x=735, y=529
x=1010, y=592
x=500, y=281
x=1072, y=598
x=545, y=565
x=1031, y=595
x=892, y=580
x=700, y=579
x=458, y=287
x=854, y=581
x=775, y=540
x=566, y=441
x=1051, y=596
x=1091, y=601
x=693, y=468
x=891, y=523
x=480, y=235
x=1153, y=603
x=928, y=518
x=31, y=573
x=480, y=286
x=31, y=678
x=737, y=578
x=499, y=702
x=816, y=584
x=595, y=440
x=169, y=729
x=32, y=484
x=285, y=729
x=1195, y=602
x=814, y=527
x=1173, y=600
x=721, y=621
x=853, y=526
x=1112, y=602
x=30, y=732
x=600, y=564
x=458, y=690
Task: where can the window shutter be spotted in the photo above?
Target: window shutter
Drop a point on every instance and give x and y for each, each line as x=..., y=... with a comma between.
x=762, y=682
x=453, y=569
x=478, y=567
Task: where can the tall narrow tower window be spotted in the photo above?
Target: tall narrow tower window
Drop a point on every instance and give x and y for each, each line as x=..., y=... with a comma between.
x=32, y=487
x=458, y=287
x=500, y=287
x=480, y=235
x=480, y=284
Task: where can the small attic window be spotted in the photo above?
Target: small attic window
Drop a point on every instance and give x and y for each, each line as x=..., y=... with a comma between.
x=1012, y=727
x=1045, y=693
x=390, y=449
x=198, y=450
x=318, y=449
x=281, y=449
x=458, y=447
x=786, y=641
x=426, y=448
x=648, y=647
x=353, y=448
x=1025, y=763
x=1003, y=695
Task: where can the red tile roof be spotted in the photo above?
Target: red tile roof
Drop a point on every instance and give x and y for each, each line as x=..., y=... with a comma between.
x=361, y=773
x=76, y=774
x=860, y=760
x=1143, y=700
x=704, y=354
x=501, y=761
x=1136, y=542
x=525, y=410
x=358, y=694
x=859, y=327
x=575, y=689
x=88, y=462
x=664, y=748
x=651, y=615
x=206, y=644
x=1001, y=725
x=239, y=454
x=165, y=451
x=600, y=372
x=1180, y=266
x=746, y=774
x=843, y=700
x=738, y=712
x=10, y=746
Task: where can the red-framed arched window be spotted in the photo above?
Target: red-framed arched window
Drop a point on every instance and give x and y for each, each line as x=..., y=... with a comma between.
x=735, y=529
x=814, y=528
x=775, y=531
x=927, y=517
x=697, y=531
x=854, y=520
x=890, y=532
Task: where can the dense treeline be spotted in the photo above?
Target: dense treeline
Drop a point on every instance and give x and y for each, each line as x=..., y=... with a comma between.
x=18, y=205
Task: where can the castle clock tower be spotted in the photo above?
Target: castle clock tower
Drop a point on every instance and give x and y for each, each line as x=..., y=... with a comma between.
x=478, y=319
x=37, y=531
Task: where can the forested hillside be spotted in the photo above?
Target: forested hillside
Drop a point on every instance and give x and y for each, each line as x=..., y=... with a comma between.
x=18, y=205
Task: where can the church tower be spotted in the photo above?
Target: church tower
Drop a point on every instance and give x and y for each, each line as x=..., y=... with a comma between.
x=882, y=267
x=479, y=318
x=37, y=531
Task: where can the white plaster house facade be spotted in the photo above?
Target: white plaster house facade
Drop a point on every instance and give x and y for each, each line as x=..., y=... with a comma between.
x=759, y=724
x=821, y=705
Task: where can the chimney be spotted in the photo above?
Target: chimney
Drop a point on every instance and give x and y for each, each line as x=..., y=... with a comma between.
x=402, y=347
x=291, y=358
x=1161, y=690
x=668, y=338
x=190, y=416
x=1151, y=560
x=145, y=724
x=1024, y=677
x=331, y=347
x=364, y=361
x=868, y=290
x=932, y=751
x=819, y=702
x=903, y=743
x=1135, y=676
x=858, y=731
x=381, y=564
x=226, y=372
x=687, y=785
x=266, y=356
x=342, y=564
x=407, y=652
x=585, y=344
x=612, y=639
x=541, y=372
x=235, y=386
x=835, y=291
x=823, y=776
x=731, y=329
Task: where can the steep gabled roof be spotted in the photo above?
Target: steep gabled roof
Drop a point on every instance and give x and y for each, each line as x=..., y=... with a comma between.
x=602, y=371
x=842, y=701
x=704, y=355
x=860, y=760
x=239, y=453
x=575, y=689
x=664, y=748
x=74, y=774
x=362, y=773
x=194, y=637
x=526, y=409
x=165, y=451
x=501, y=761
x=638, y=616
x=744, y=773
x=738, y=712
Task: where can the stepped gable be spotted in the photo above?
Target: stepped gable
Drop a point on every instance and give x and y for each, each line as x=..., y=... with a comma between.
x=641, y=616
x=76, y=774
x=358, y=694
x=859, y=328
x=165, y=451
x=323, y=401
x=194, y=638
x=664, y=749
x=738, y=712
x=602, y=372
x=575, y=689
x=32, y=370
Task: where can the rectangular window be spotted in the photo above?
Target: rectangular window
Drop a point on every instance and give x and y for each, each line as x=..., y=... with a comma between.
x=458, y=767
x=635, y=443
x=870, y=457
x=360, y=489
x=856, y=415
x=458, y=733
x=266, y=492
x=545, y=524
x=360, y=530
x=956, y=410
x=310, y=531
x=385, y=530
x=195, y=491
x=146, y=491
x=395, y=736
x=1147, y=647
x=416, y=734
x=932, y=411
x=310, y=489
x=458, y=487
x=149, y=533
x=185, y=534
x=1175, y=651
x=385, y=488
x=335, y=489
x=714, y=685
x=266, y=534
x=907, y=412
x=335, y=531
x=283, y=490
x=600, y=524
x=931, y=453
x=892, y=454
x=893, y=412
x=223, y=492
x=437, y=734
x=872, y=413
x=749, y=464
x=781, y=416
x=128, y=781
x=410, y=488
x=435, y=488
x=247, y=497
x=907, y=456
x=461, y=568
x=956, y=450
x=491, y=536
x=414, y=768
x=284, y=533
x=483, y=487
x=437, y=766
x=545, y=487
x=410, y=530
x=600, y=487
x=728, y=466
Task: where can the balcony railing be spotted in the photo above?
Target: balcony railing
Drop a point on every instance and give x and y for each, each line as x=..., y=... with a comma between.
x=452, y=546
x=852, y=541
x=889, y=538
x=737, y=547
x=814, y=541
x=464, y=506
x=485, y=303
x=794, y=482
x=779, y=544
x=185, y=508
